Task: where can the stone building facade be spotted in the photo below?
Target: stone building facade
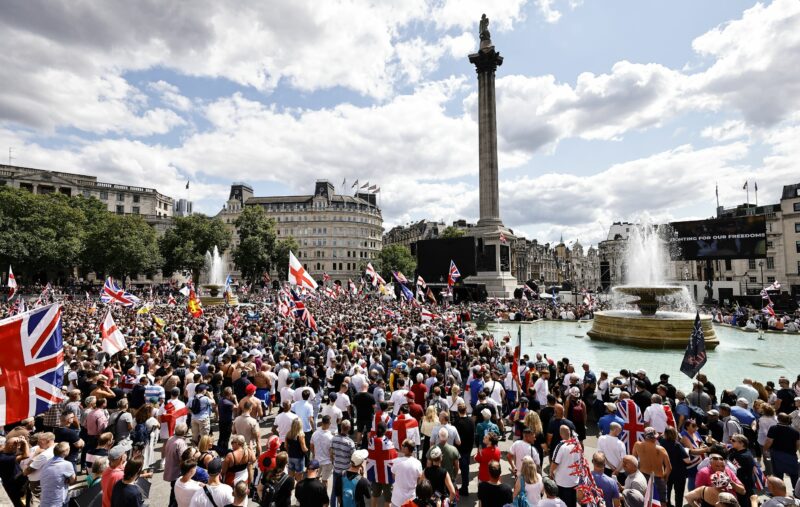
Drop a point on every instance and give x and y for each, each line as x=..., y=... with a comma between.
x=407, y=235
x=337, y=234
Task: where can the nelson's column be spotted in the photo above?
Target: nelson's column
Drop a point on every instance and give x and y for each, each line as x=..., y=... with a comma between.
x=494, y=255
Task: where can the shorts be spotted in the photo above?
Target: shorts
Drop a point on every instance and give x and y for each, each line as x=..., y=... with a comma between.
x=297, y=465
x=325, y=472
x=378, y=488
x=363, y=426
x=263, y=395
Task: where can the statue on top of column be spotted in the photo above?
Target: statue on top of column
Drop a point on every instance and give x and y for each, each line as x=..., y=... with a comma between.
x=483, y=29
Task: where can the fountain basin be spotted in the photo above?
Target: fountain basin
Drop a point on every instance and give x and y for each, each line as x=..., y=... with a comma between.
x=216, y=297
x=664, y=330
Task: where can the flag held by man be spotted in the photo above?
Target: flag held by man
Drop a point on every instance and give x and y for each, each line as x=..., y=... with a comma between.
x=112, y=339
x=695, y=357
x=12, y=283
x=32, y=363
x=298, y=274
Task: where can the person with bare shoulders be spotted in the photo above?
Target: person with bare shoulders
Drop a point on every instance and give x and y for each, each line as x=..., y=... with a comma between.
x=653, y=460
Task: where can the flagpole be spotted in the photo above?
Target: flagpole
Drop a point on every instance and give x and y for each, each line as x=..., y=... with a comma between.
x=716, y=187
x=756, y=190
x=747, y=187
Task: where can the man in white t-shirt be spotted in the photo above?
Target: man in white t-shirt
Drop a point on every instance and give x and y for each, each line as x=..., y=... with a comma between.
x=613, y=448
x=283, y=421
x=541, y=388
x=561, y=469
x=398, y=398
x=40, y=456
x=219, y=491
x=495, y=390
x=407, y=472
x=321, y=447
x=343, y=399
x=521, y=448
x=654, y=415
x=332, y=411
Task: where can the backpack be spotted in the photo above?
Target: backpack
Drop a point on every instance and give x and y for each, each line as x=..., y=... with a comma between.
x=197, y=406
x=698, y=414
x=112, y=427
x=521, y=500
x=140, y=433
x=349, y=490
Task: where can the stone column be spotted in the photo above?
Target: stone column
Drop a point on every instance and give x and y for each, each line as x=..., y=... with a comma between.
x=486, y=61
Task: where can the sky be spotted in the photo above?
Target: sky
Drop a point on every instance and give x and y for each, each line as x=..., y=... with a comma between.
x=607, y=111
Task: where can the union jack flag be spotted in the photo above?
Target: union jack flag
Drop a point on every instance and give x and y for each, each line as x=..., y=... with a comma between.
x=302, y=313
x=114, y=295
x=633, y=428
x=381, y=458
x=32, y=363
x=454, y=274
x=651, y=496
x=768, y=310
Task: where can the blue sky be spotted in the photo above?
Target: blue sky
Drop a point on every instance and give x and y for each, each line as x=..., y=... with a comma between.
x=607, y=111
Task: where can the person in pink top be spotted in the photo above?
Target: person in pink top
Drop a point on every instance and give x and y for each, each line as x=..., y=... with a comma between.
x=113, y=474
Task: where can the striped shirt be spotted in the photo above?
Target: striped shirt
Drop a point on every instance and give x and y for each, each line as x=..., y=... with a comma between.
x=343, y=448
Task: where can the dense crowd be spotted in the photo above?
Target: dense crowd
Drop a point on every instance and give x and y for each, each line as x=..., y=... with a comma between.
x=249, y=404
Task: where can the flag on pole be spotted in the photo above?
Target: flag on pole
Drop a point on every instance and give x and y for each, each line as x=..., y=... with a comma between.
x=352, y=287
x=193, y=305
x=12, y=283
x=144, y=309
x=301, y=311
x=517, y=355
x=695, y=356
x=755, y=186
x=187, y=184
x=421, y=282
x=399, y=277
x=406, y=292
x=651, y=496
x=171, y=300
x=265, y=278
x=32, y=363
x=298, y=274
x=453, y=275
x=377, y=190
x=112, y=339
x=746, y=184
x=374, y=276
x=372, y=188
x=325, y=277
x=365, y=185
x=355, y=184
x=427, y=315
x=431, y=296
x=114, y=295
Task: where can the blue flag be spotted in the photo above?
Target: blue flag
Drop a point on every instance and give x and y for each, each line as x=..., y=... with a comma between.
x=695, y=357
x=407, y=292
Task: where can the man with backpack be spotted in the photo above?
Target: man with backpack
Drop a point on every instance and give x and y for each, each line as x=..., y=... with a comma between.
x=730, y=424
x=201, y=407
x=355, y=488
x=121, y=425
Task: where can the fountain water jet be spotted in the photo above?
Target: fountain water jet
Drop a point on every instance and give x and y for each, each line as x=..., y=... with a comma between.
x=215, y=280
x=646, y=260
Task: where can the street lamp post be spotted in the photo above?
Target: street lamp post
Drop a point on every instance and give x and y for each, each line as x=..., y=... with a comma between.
x=746, y=279
x=761, y=266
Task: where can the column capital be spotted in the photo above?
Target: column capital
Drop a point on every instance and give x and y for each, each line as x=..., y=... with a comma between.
x=486, y=60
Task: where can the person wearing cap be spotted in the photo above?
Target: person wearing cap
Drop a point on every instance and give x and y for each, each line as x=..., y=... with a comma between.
x=653, y=459
x=311, y=492
x=439, y=477
x=117, y=457
x=485, y=426
x=250, y=395
x=611, y=416
x=407, y=473
x=215, y=493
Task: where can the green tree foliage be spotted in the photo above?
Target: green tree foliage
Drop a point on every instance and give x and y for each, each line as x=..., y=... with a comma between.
x=281, y=257
x=256, y=251
x=135, y=247
x=452, y=232
x=395, y=258
x=40, y=232
x=184, y=245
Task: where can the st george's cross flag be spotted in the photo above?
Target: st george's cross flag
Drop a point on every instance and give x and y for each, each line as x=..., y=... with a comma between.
x=404, y=427
x=112, y=339
x=32, y=363
x=112, y=294
x=298, y=274
x=12, y=283
x=374, y=276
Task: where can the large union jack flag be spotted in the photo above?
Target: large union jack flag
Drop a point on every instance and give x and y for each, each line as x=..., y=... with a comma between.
x=302, y=313
x=381, y=458
x=32, y=363
x=454, y=274
x=114, y=295
x=633, y=428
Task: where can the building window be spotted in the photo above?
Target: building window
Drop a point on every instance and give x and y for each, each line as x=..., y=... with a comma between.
x=103, y=195
x=797, y=206
x=136, y=198
x=770, y=262
x=770, y=279
x=87, y=194
x=120, y=209
x=769, y=244
x=798, y=267
x=797, y=227
x=751, y=263
x=797, y=246
x=753, y=279
x=135, y=210
x=120, y=196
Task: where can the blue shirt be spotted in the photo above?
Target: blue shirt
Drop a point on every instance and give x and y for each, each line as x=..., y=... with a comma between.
x=305, y=411
x=53, y=481
x=205, y=408
x=608, y=485
x=605, y=423
x=745, y=417
x=475, y=387
x=153, y=392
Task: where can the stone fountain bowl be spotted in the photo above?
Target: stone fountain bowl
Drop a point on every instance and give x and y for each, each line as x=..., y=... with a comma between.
x=647, y=302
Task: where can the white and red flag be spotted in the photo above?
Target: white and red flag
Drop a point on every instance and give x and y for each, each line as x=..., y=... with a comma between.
x=12, y=283
x=171, y=300
x=374, y=276
x=298, y=274
x=112, y=340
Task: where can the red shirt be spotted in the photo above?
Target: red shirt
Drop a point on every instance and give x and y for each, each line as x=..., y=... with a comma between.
x=483, y=458
x=110, y=477
x=419, y=391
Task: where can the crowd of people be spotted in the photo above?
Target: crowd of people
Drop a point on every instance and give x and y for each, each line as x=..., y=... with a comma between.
x=250, y=406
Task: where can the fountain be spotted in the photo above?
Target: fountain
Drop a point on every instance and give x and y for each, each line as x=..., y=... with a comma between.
x=215, y=281
x=645, y=259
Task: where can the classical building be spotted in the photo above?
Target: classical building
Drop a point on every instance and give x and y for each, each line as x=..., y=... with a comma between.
x=337, y=234
x=611, y=255
x=183, y=208
x=554, y=265
x=407, y=235
x=585, y=267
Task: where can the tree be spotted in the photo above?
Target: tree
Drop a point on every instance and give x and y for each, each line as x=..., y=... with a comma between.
x=184, y=246
x=396, y=258
x=452, y=232
x=39, y=233
x=122, y=246
x=256, y=251
x=281, y=257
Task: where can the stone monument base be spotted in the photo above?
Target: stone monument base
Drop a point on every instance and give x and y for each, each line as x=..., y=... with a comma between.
x=498, y=284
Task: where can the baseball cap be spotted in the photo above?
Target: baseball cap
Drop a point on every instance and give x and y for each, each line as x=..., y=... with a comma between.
x=201, y=388
x=436, y=453
x=486, y=413
x=359, y=457
x=313, y=465
x=116, y=452
x=250, y=389
x=650, y=433
x=214, y=467
x=610, y=406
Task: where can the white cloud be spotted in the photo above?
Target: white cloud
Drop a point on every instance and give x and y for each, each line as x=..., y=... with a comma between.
x=171, y=95
x=548, y=10
x=466, y=14
x=726, y=131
